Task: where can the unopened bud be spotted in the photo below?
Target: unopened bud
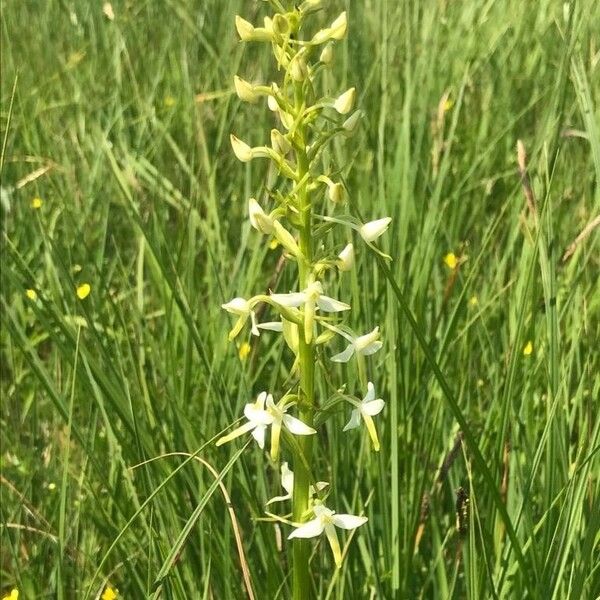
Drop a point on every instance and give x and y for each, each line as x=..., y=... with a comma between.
x=286, y=239
x=241, y=149
x=279, y=143
x=259, y=219
x=326, y=54
x=339, y=27
x=346, y=258
x=280, y=24
x=373, y=229
x=298, y=68
x=336, y=193
x=249, y=33
x=345, y=102
x=245, y=90
x=351, y=122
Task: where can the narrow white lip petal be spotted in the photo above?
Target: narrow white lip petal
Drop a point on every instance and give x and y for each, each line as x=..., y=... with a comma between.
x=372, y=408
x=373, y=229
x=348, y=521
x=354, y=421
x=254, y=328
x=308, y=530
x=271, y=326
x=296, y=426
x=345, y=356
x=372, y=348
x=328, y=304
x=278, y=499
x=258, y=433
x=293, y=300
x=237, y=306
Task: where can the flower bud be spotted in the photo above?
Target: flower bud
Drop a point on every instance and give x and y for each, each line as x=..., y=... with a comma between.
x=280, y=24
x=346, y=258
x=336, y=192
x=286, y=239
x=279, y=143
x=258, y=218
x=298, y=68
x=339, y=27
x=326, y=54
x=344, y=103
x=245, y=90
x=241, y=149
x=373, y=229
x=286, y=119
x=349, y=125
x=249, y=33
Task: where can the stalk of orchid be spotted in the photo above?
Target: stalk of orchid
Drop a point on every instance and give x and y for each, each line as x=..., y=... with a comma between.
x=308, y=318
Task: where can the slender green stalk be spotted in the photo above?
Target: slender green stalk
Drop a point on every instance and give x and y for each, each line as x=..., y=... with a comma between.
x=302, y=460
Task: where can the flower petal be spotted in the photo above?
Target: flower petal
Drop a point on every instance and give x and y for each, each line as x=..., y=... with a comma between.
x=372, y=408
x=345, y=356
x=237, y=306
x=296, y=426
x=348, y=521
x=275, y=435
x=308, y=530
x=258, y=433
x=328, y=304
x=287, y=478
x=278, y=499
x=293, y=300
x=370, y=393
x=372, y=348
x=235, y=433
x=271, y=326
x=354, y=421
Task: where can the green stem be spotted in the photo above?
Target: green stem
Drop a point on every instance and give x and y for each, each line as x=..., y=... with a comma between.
x=302, y=459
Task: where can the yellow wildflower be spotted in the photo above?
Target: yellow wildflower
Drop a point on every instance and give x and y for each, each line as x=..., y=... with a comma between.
x=83, y=291
x=14, y=595
x=473, y=301
x=36, y=203
x=244, y=350
x=448, y=104
x=528, y=348
x=31, y=294
x=273, y=244
x=169, y=101
x=109, y=593
x=451, y=260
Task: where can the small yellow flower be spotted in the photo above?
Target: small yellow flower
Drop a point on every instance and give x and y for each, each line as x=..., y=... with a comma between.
x=448, y=105
x=110, y=593
x=83, y=291
x=169, y=101
x=51, y=486
x=451, y=260
x=473, y=301
x=31, y=294
x=244, y=350
x=36, y=203
x=273, y=244
x=14, y=595
x=528, y=348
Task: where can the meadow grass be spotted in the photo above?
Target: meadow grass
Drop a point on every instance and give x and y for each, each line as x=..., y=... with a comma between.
x=111, y=404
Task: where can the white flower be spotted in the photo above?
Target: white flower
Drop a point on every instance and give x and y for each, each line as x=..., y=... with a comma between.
x=326, y=55
x=373, y=229
x=327, y=520
x=336, y=192
x=287, y=483
x=259, y=219
x=241, y=149
x=274, y=416
x=311, y=298
x=243, y=309
x=367, y=409
x=344, y=103
x=245, y=90
x=346, y=258
x=364, y=344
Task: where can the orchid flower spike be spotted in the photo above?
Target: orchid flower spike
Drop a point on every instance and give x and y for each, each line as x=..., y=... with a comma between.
x=287, y=483
x=367, y=409
x=274, y=416
x=366, y=344
x=244, y=310
x=326, y=520
x=311, y=298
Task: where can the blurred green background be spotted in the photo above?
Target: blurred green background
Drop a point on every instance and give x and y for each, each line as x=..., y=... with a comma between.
x=117, y=119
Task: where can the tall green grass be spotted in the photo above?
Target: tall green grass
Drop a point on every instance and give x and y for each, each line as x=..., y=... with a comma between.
x=121, y=128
